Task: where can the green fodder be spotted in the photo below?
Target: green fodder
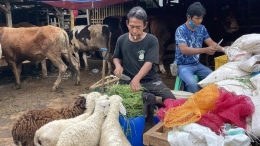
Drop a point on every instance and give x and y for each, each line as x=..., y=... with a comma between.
x=131, y=100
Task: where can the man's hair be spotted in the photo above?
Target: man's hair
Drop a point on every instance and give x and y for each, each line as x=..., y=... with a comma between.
x=196, y=9
x=137, y=12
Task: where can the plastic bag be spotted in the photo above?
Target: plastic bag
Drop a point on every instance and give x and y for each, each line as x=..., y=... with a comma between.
x=174, y=69
x=250, y=65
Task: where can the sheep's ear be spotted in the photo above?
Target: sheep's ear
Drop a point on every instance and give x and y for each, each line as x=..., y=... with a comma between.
x=122, y=109
x=106, y=109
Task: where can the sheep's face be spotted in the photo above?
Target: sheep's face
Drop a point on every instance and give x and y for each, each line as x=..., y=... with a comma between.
x=81, y=103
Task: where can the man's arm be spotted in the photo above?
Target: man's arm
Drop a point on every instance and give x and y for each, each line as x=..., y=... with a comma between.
x=210, y=42
x=143, y=71
x=118, y=68
x=191, y=51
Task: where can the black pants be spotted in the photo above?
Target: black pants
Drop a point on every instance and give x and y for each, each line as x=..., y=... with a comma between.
x=154, y=86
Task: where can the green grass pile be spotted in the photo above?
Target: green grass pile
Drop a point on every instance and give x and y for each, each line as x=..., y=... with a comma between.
x=131, y=100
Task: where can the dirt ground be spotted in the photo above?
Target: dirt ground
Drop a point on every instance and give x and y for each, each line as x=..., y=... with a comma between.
x=35, y=93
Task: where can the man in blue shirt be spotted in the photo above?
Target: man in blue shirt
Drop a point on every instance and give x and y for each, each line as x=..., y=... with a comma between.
x=189, y=38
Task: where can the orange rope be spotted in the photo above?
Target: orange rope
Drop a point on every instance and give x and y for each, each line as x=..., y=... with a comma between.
x=198, y=104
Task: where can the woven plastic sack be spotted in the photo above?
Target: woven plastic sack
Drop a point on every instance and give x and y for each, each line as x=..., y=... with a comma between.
x=235, y=52
x=251, y=44
x=236, y=137
x=194, y=135
x=238, y=86
x=255, y=80
x=229, y=70
x=198, y=104
x=254, y=126
x=250, y=65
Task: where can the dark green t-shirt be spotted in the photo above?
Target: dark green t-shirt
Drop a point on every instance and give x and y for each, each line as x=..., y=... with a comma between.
x=135, y=54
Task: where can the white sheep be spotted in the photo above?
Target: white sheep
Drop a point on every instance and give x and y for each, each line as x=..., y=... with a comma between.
x=24, y=128
x=87, y=132
x=48, y=134
x=112, y=133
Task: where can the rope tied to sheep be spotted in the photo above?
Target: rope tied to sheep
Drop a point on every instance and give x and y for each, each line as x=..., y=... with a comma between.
x=192, y=110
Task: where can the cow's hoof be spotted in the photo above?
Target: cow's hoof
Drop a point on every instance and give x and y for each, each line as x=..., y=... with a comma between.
x=54, y=89
x=163, y=72
x=17, y=87
x=77, y=83
x=86, y=68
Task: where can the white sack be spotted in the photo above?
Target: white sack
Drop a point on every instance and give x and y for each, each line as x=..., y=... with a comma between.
x=255, y=80
x=237, y=140
x=234, y=52
x=194, y=135
x=250, y=65
x=229, y=70
x=254, y=129
x=236, y=86
x=251, y=43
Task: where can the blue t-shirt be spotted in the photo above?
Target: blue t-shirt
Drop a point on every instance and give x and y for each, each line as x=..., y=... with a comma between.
x=193, y=39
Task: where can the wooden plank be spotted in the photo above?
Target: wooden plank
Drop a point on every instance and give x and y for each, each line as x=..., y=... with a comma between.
x=12, y=0
x=156, y=136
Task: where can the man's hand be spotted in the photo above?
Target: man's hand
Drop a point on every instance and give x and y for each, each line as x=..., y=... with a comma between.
x=135, y=85
x=118, y=71
x=210, y=50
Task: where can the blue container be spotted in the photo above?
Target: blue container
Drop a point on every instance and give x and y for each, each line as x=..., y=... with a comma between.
x=133, y=129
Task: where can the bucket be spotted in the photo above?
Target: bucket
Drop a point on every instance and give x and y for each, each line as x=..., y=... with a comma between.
x=133, y=129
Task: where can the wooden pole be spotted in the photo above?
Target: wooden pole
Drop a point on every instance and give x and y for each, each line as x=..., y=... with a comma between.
x=8, y=15
x=72, y=18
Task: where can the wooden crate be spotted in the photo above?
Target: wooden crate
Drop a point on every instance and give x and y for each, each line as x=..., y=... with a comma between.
x=156, y=136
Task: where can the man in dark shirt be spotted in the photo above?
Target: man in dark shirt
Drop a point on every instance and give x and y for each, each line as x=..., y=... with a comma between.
x=137, y=54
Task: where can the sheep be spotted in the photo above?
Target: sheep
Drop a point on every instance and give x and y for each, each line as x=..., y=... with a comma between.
x=111, y=133
x=24, y=128
x=149, y=102
x=87, y=132
x=48, y=134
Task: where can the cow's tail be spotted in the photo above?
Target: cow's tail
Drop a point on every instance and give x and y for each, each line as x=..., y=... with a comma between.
x=67, y=46
x=73, y=61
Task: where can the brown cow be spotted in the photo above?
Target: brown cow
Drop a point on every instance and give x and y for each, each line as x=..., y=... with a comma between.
x=90, y=38
x=35, y=44
x=27, y=24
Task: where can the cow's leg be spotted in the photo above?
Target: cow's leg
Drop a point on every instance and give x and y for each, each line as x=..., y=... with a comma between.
x=44, y=68
x=161, y=55
x=109, y=67
x=84, y=56
x=16, y=68
x=57, y=62
x=74, y=62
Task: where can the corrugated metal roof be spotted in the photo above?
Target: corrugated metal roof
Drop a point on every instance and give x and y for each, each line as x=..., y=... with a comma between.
x=81, y=4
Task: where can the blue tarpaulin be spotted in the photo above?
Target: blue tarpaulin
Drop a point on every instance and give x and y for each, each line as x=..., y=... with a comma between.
x=81, y=4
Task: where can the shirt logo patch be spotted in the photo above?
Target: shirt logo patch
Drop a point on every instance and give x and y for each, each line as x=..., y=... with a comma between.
x=141, y=55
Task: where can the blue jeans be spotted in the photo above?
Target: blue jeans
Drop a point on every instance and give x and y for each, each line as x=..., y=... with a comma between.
x=187, y=72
